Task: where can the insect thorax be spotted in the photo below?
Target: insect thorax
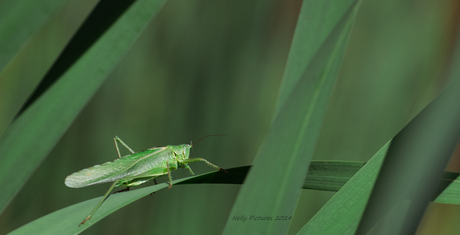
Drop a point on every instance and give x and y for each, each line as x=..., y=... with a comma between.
x=182, y=151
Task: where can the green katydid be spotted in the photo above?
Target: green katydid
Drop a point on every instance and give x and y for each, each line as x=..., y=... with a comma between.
x=135, y=169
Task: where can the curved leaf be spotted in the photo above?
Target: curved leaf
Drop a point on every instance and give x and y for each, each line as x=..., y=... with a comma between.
x=323, y=175
x=283, y=158
x=33, y=134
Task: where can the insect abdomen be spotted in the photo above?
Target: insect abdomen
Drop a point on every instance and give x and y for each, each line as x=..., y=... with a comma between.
x=109, y=171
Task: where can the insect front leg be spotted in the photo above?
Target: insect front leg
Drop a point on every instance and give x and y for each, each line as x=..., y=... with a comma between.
x=99, y=204
x=115, y=139
x=186, y=166
x=190, y=160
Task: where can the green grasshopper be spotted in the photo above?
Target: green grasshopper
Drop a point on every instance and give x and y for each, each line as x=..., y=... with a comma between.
x=135, y=169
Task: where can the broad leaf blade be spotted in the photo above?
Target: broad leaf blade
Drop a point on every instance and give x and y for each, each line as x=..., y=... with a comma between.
x=449, y=189
x=283, y=158
x=316, y=22
x=66, y=220
x=33, y=134
x=330, y=175
x=417, y=158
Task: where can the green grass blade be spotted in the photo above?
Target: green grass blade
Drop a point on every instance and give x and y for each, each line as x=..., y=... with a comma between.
x=66, y=221
x=449, y=192
x=332, y=176
x=322, y=175
x=33, y=134
x=283, y=158
x=20, y=20
x=342, y=213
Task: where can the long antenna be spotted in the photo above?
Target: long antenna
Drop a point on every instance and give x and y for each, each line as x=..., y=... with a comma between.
x=206, y=137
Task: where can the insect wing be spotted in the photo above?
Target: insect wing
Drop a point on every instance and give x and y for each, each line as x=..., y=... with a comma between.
x=113, y=170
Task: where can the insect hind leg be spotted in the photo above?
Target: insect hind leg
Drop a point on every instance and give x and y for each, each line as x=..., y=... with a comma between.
x=169, y=175
x=117, y=139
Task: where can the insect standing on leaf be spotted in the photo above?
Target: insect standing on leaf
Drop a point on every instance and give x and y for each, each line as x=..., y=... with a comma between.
x=136, y=169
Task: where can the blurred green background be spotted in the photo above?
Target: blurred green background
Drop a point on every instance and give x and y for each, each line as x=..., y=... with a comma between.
x=215, y=67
